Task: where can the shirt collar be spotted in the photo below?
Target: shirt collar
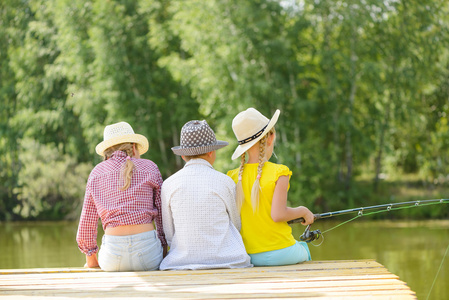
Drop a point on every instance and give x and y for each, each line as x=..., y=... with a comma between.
x=198, y=161
x=118, y=153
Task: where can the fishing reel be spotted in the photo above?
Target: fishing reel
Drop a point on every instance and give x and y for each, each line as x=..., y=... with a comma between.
x=309, y=236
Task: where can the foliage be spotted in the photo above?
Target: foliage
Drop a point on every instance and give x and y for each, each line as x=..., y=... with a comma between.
x=362, y=88
x=50, y=185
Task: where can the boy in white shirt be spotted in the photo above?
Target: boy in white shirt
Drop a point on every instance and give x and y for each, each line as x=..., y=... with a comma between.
x=200, y=217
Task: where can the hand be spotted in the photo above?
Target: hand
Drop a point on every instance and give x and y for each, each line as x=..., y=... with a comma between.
x=308, y=216
x=165, y=251
x=92, y=261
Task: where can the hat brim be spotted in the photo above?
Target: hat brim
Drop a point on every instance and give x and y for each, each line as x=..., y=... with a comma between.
x=183, y=151
x=245, y=147
x=140, y=140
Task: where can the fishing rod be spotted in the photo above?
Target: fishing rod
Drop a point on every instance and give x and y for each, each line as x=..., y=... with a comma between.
x=309, y=236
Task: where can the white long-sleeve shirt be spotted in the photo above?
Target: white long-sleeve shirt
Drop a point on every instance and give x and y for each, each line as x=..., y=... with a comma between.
x=201, y=221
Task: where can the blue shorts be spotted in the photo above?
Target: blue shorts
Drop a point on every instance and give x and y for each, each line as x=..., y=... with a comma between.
x=297, y=253
x=137, y=252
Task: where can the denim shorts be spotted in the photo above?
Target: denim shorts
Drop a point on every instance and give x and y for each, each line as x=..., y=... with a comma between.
x=297, y=253
x=137, y=252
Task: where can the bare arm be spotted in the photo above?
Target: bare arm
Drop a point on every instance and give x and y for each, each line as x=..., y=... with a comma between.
x=92, y=261
x=280, y=212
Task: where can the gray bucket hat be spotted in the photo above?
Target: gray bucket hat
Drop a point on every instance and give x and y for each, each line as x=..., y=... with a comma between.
x=197, y=138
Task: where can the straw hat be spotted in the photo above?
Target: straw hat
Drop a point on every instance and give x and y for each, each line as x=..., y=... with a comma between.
x=118, y=133
x=249, y=127
x=197, y=138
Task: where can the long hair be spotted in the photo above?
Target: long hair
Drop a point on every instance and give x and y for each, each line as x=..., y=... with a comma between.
x=128, y=167
x=240, y=196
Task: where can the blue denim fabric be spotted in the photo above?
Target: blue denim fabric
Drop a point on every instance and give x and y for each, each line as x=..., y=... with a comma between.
x=138, y=252
x=297, y=253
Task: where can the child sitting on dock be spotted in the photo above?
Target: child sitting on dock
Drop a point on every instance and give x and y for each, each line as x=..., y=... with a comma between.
x=262, y=189
x=124, y=192
x=200, y=216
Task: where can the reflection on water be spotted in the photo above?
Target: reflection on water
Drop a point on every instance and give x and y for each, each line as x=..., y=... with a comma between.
x=39, y=245
x=411, y=250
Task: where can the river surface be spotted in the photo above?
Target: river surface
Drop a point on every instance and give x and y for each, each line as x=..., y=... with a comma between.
x=413, y=250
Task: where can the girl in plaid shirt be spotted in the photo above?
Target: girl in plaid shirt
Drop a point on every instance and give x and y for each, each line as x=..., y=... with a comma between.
x=124, y=192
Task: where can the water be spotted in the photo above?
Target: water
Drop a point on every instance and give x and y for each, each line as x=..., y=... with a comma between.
x=412, y=250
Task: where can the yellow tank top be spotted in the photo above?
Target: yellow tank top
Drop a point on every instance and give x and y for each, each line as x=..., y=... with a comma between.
x=259, y=232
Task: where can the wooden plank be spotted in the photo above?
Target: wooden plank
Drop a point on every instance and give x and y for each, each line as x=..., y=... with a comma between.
x=259, y=284
x=217, y=295
x=206, y=280
x=194, y=274
x=312, y=280
x=313, y=265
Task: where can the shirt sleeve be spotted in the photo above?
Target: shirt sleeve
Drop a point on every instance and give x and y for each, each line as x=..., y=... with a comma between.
x=157, y=203
x=167, y=217
x=283, y=171
x=233, y=174
x=86, y=236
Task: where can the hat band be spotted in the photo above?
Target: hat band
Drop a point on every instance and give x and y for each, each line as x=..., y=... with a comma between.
x=247, y=140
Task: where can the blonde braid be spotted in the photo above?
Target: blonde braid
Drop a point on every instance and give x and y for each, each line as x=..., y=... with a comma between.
x=128, y=167
x=127, y=171
x=240, y=195
x=256, y=186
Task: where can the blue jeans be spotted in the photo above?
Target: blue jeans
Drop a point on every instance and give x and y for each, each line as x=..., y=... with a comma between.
x=297, y=253
x=138, y=252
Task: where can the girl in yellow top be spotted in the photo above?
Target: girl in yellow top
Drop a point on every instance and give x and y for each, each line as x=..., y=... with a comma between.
x=262, y=189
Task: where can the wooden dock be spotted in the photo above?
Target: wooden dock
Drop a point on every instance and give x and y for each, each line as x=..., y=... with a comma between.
x=357, y=279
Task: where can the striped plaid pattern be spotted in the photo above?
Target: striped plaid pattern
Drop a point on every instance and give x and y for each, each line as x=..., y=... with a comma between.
x=139, y=204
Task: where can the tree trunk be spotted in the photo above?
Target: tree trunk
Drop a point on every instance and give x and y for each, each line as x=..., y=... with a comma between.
x=354, y=79
x=160, y=139
x=296, y=131
x=175, y=138
x=378, y=160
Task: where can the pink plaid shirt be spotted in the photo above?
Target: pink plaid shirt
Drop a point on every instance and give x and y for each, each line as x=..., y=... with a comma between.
x=139, y=204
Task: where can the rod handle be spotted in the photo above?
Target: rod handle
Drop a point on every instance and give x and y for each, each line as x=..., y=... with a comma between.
x=300, y=220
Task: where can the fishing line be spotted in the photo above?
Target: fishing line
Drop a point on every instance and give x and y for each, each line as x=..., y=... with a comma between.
x=317, y=234
x=341, y=224
x=314, y=235
x=322, y=241
x=390, y=208
x=438, y=272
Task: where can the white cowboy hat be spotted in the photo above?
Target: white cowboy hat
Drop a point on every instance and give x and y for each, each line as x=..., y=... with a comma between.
x=197, y=138
x=249, y=127
x=119, y=133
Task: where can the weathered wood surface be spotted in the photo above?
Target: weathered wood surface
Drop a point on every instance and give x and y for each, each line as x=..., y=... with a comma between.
x=358, y=279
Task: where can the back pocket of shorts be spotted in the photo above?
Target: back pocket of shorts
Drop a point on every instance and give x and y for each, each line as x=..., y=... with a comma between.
x=150, y=261
x=108, y=261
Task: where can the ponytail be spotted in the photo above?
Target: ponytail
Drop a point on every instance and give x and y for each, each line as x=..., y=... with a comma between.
x=128, y=167
x=127, y=172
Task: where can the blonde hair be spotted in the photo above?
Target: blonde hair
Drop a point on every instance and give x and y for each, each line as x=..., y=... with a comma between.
x=240, y=196
x=128, y=166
